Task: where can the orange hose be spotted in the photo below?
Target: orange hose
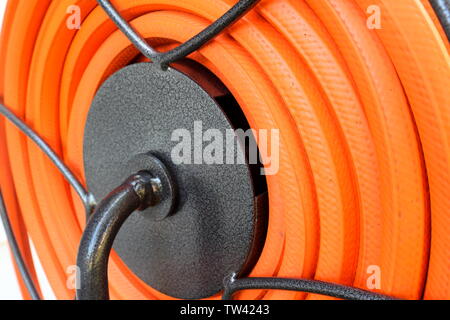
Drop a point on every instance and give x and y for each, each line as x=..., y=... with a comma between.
x=364, y=120
x=6, y=182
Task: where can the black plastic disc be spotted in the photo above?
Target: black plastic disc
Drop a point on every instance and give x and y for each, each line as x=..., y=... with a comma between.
x=215, y=226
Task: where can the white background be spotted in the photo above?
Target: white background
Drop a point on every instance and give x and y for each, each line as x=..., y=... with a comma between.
x=9, y=289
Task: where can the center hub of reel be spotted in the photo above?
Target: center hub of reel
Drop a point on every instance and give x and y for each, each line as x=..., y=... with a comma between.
x=211, y=220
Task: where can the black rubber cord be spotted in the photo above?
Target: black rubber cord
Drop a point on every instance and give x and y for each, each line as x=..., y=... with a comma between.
x=232, y=285
x=23, y=269
x=85, y=196
x=188, y=47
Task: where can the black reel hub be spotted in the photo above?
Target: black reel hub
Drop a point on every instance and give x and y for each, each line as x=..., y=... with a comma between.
x=211, y=218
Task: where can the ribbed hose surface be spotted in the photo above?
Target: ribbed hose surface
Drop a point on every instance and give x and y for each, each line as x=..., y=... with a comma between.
x=364, y=119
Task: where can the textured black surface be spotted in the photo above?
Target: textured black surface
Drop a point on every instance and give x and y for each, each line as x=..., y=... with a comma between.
x=167, y=193
x=101, y=230
x=214, y=229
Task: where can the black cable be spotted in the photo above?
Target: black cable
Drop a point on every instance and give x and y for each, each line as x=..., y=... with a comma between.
x=232, y=285
x=165, y=58
x=213, y=30
x=86, y=197
x=128, y=30
x=442, y=8
x=23, y=269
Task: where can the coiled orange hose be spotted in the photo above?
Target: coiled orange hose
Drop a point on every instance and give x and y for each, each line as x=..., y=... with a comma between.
x=364, y=119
